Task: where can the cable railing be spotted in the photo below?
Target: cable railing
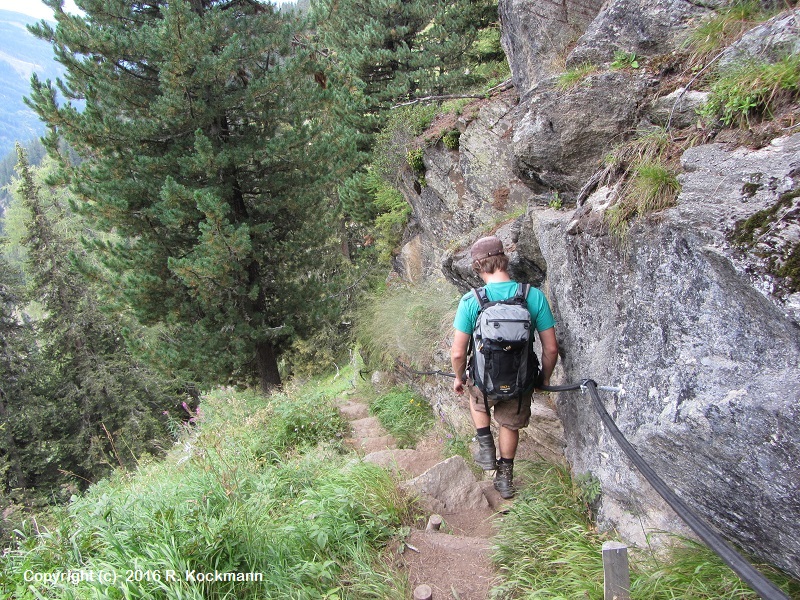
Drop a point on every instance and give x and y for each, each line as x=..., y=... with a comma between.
x=746, y=571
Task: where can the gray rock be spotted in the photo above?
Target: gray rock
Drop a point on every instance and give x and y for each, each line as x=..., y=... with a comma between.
x=644, y=27
x=678, y=109
x=537, y=33
x=777, y=38
x=563, y=136
x=448, y=487
x=707, y=359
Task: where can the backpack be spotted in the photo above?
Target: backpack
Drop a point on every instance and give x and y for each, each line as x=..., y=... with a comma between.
x=503, y=364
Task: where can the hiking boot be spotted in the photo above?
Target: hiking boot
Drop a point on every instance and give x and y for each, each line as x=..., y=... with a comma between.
x=503, y=480
x=486, y=456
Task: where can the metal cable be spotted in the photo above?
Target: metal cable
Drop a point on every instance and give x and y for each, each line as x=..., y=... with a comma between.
x=749, y=574
x=760, y=584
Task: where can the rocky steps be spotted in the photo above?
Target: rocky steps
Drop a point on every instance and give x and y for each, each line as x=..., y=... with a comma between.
x=455, y=560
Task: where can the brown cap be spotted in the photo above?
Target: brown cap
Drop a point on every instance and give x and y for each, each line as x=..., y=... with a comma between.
x=486, y=247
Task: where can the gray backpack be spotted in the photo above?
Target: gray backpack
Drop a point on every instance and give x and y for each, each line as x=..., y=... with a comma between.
x=503, y=364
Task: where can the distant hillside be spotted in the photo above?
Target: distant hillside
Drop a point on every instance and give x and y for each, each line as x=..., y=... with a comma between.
x=21, y=54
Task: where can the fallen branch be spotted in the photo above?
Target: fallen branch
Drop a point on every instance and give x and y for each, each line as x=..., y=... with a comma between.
x=500, y=87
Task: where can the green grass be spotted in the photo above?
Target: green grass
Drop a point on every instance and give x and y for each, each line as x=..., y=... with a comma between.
x=258, y=485
x=573, y=77
x=548, y=547
x=405, y=323
x=647, y=180
x=753, y=89
x=404, y=414
x=725, y=26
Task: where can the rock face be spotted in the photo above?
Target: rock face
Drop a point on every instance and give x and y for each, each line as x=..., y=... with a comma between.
x=690, y=321
x=708, y=362
x=537, y=33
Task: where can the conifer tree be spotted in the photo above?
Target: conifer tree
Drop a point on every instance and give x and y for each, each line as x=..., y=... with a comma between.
x=95, y=406
x=208, y=141
x=16, y=366
x=404, y=49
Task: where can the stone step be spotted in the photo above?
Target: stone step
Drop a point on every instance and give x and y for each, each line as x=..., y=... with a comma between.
x=367, y=427
x=353, y=409
x=453, y=566
x=369, y=445
x=404, y=462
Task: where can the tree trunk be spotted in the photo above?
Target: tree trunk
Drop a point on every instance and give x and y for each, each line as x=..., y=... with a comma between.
x=269, y=377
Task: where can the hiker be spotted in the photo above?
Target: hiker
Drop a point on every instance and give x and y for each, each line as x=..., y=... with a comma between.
x=491, y=264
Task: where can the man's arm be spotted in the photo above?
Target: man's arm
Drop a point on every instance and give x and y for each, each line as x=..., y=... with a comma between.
x=549, y=353
x=458, y=358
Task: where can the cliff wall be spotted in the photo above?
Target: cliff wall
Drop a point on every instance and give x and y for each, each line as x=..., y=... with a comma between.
x=697, y=329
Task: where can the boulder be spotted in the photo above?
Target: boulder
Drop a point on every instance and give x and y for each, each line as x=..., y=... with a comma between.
x=642, y=27
x=563, y=136
x=537, y=33
x=769, y=42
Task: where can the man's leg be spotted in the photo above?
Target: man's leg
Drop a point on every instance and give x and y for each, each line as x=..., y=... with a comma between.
x=508, y=441
x=486, y=456
x=510, y=416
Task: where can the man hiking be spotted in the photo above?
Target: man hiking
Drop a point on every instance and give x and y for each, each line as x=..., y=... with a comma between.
x=513, y=412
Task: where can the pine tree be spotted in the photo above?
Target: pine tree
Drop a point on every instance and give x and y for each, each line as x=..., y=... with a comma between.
x=208, y=140
x=405, y=49
x=96, y=406
x=16, y=366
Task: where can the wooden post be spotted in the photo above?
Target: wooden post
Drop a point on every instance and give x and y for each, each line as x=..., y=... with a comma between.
x=423, y=592
x=616, y=574
x=434, y=523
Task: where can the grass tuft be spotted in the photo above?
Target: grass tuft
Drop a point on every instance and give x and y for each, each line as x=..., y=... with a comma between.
x=753, y=89
x=405, y=323
x=548, y=547
x=404, y=414
x=646, y=176
x=573, y=77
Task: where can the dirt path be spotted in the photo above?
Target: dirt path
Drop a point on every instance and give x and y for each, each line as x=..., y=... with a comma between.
x=454, y=561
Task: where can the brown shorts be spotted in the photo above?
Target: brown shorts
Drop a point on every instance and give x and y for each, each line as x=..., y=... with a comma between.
x=505, y=412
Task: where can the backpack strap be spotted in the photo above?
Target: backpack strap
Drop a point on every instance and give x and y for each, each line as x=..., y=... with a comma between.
x=522, y=292
x=481, y=297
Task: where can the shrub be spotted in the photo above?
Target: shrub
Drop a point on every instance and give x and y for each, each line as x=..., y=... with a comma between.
x=414, y=158
x=451, y=139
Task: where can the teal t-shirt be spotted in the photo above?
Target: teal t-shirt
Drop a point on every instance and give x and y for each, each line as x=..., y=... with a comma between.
x=467, y=312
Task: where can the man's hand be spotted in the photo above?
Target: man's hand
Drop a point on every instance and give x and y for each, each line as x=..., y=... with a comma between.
x=458, y=386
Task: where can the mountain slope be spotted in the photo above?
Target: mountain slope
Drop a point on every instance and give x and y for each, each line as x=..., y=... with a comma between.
x=21, y=55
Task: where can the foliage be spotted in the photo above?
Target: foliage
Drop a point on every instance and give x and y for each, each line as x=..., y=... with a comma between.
x=409, y=49
x=547, y=547
x=404, y=414
x=753, y=89
x=405, y=323
x=575, y=76
x=646, y=179
x=88, y=405
x=215, y=179
x=625, y=60
x=414, y=158
x=312, y=522
x=451, y=139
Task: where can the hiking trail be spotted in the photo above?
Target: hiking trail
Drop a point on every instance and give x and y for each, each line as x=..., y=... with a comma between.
x=454, y=561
